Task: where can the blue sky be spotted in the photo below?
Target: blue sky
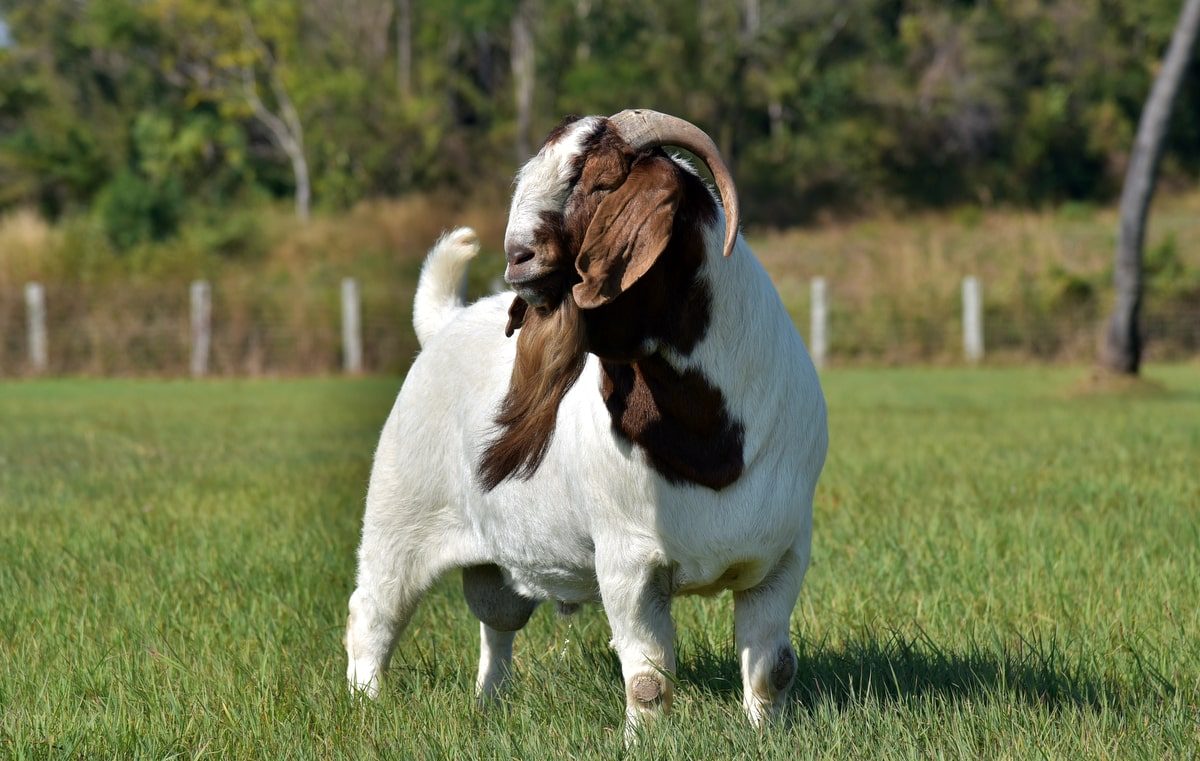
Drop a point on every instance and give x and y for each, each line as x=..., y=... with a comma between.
x=4, y=38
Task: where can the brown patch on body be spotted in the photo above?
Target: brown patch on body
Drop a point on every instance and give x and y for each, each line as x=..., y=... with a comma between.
x=670, y=304
x=678, y=418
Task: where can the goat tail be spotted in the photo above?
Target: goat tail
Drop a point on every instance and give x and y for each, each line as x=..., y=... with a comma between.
x=440, y=288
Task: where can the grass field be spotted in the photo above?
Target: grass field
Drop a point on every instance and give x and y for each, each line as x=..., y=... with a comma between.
x=1002, y=568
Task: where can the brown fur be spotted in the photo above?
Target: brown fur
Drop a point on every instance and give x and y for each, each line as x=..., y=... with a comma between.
x=678, y=418
x=628, y=232
x=668, y=304
x=516, y=316
x=550, y=356
x=628, y=248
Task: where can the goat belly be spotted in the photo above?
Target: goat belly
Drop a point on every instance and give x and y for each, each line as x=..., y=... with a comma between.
x=736, y=576
x=564, y=585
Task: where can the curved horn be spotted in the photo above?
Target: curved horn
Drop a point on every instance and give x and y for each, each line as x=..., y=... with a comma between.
x=643, y=128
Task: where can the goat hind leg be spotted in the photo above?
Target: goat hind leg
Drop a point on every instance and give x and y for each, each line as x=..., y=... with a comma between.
x=380, y=608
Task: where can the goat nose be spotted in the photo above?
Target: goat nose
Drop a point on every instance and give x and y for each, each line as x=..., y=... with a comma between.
x=518, y=255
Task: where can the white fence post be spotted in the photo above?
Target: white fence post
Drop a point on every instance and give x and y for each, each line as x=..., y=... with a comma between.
x=201, y=298
x=35, y=311
x=819, y=321
x=972, y=318
x=351, y=327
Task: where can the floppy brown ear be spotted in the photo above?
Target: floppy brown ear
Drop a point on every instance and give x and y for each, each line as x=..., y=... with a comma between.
x=628, y=233
x=516, y=316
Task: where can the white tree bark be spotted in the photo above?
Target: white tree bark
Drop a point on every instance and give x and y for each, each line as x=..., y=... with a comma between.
x=284, y=126
x=1123, y=342
x=523, y=76
x=404, y=48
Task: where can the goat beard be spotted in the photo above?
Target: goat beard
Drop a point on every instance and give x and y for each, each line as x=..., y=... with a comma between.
x=551, y=353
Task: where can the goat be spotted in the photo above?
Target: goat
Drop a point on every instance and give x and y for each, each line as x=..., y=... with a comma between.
x=656, y=429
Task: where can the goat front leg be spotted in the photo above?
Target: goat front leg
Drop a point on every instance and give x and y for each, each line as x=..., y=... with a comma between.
x=637, y=600
x=761, y=617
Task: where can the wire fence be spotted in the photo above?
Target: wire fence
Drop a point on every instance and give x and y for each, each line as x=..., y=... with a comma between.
x=144, y=329
x=253, y=330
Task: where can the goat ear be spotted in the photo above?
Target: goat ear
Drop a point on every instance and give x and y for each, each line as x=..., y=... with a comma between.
x=516, y=316
x=628, y=233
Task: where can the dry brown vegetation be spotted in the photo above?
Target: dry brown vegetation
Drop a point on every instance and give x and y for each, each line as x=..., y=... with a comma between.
x=893, y=280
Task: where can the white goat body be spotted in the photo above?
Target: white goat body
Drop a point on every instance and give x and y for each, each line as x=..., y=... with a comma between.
x=596, y=520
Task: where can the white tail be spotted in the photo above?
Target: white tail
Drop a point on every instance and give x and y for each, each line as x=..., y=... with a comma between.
x=440, y=287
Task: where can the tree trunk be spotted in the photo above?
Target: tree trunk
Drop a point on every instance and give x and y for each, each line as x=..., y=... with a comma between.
x=286, y=130
x=404, y=47
x=303, y=185
x=1123, y=341
x=523, y=75
x=731, y=103
x=285, y=126
x=583, y=48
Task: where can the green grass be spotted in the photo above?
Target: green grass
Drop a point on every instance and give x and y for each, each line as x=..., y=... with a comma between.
x=1001, y=569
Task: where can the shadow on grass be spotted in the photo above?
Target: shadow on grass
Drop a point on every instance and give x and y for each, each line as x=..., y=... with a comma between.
x=897, y=668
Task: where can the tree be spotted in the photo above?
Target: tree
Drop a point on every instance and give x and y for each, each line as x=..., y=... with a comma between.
x=284, y=126
x=220, y=55
x=404, y=48
x=1123, y=342
x=826, y=104
x=523, y=72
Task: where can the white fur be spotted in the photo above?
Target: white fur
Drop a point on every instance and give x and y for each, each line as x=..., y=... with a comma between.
x=439, y=289
x=595, y=521
x=543, y=184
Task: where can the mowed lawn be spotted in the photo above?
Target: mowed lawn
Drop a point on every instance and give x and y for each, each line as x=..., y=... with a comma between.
x=1001, y=568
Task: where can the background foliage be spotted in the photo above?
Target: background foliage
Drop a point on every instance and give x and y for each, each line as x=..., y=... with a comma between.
x=136, y=108
x=144, y=143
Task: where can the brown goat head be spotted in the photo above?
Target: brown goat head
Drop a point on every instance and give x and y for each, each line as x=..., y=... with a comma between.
x=604, y=244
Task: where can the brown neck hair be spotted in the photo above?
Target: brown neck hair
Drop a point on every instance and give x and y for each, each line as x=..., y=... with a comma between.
x=551, y=351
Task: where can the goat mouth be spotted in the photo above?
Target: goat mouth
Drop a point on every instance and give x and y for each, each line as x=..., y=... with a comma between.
x=539, y=291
